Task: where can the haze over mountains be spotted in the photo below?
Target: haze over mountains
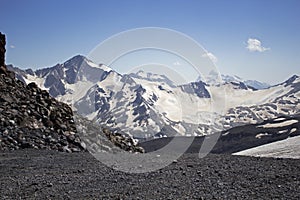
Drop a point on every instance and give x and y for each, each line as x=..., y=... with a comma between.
x=146, y=105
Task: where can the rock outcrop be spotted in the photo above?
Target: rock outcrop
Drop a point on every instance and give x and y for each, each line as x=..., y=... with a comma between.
x=3, y=69
x=2, y=49
x=123, y=142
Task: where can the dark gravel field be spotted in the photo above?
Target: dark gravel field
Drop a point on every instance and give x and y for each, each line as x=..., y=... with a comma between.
x=46, y=174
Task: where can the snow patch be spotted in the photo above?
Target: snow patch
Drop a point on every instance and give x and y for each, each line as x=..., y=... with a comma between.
x=288, y=148
x=280, y=124
x=226, y=133
x=101, y=66
x=282, y=131
x=293, y=130
x=279, y=119
x=75, y=92
x=260, y=135
x=39, y=81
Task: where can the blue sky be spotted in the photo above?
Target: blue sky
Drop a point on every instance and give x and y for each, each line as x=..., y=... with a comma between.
x=43, y=33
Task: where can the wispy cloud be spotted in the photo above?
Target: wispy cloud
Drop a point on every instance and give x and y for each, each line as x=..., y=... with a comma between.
x=211, y=56
x=12, y=46
x=177, y=63
x=255, y=45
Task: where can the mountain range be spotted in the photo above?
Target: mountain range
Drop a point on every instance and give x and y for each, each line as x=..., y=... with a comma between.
x=146, y=105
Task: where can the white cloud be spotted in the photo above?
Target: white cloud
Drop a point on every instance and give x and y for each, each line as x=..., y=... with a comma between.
x=255, y=45
x=211, y=56
x=12, y=46
x=176, y=63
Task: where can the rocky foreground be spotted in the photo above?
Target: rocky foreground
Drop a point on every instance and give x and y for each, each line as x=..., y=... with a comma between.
x=44, y=174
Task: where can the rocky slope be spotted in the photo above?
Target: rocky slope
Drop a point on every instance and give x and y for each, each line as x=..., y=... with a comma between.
x=31, y=118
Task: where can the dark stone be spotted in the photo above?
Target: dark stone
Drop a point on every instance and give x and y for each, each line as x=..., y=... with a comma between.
x=2, y=49
x=32, y=86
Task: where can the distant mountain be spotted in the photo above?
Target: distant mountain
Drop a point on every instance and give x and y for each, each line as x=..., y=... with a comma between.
x=256, y=84
x=146, y=105
x=57, y=79
x=212, y=76
x=250, y=83
x=290, y=81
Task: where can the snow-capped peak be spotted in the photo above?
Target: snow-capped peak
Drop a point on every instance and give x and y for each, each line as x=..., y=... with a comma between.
x=79, y=61
x=293, y=79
